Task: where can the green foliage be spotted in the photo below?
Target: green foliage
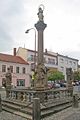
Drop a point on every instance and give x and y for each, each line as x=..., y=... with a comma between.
x=76, y=75
x=55, y=76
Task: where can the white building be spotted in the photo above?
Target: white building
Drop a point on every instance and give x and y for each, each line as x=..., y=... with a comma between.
x=52, y=60
x=67, y=62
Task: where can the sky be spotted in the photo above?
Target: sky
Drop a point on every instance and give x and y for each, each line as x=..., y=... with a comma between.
x=62, y=34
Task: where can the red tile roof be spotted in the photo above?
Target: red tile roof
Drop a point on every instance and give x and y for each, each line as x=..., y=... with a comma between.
x=12, y=58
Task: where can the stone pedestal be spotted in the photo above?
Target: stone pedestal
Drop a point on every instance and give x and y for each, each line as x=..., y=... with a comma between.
x=69, y=80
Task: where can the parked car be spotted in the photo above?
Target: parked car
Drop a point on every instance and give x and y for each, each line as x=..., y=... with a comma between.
x=57, y=85
x=63, y=84
x=50, y=85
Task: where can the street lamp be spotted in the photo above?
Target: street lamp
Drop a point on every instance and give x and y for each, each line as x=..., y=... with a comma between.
x=27, y=31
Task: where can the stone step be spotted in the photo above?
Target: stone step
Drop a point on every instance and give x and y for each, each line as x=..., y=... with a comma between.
x=10, y=105
x=52, y=104
x=18, y=107
x=27, y=116
x=18, y=103
x=54, y=110
x=26, y=108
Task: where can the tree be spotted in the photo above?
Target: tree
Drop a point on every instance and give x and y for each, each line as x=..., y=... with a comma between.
x=55, y=76
x=76, y=75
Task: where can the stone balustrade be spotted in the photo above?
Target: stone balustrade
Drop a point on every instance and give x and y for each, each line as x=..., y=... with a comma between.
x=28, y=94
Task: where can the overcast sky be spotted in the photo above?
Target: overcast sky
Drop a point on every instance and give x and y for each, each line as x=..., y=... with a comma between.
x=62, y=17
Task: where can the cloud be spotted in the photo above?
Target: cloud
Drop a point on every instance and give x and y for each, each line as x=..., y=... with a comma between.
x=10, y=13
x=6, y=40
x=71, y=53
x=61, y=16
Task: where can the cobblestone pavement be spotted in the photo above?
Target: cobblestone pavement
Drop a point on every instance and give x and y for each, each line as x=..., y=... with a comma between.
x=8, y=116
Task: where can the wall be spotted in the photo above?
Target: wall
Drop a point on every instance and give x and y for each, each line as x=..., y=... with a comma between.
x=15, y=75
x=66, y=62
x=22, y=52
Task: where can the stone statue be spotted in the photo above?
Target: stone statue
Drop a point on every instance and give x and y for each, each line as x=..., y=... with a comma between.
x=40, y=14
x=8, y=77
x=40, y=75
x=8, y=82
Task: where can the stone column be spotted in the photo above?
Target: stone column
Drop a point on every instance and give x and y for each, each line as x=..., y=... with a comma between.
x=36, y=109
x=41, y=81
x=40, y=26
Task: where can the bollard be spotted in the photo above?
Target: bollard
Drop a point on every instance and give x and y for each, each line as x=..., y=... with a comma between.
x=0, y=104
x=36, y=109
x=75, y=101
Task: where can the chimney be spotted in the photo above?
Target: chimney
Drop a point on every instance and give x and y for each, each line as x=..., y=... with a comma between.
x=45, y=50
x=14, y=52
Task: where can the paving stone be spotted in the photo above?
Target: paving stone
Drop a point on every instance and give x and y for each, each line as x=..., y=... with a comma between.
x=74, y=116
x=8, y=116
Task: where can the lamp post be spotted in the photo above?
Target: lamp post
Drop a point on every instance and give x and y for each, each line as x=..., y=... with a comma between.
x=27, y=31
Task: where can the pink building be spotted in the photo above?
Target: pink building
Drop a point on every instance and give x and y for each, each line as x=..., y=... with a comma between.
x=19, y=69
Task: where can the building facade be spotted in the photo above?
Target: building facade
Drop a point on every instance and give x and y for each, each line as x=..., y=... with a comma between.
x=19, y=70
x=65, y=62
x=52, y=60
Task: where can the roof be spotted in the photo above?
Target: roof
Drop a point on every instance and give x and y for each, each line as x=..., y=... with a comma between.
x=68, y=57
x=53, y=54
x=45, y=53
x=12, y=58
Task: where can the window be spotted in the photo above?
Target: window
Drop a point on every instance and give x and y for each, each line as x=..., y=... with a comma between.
x=66, y=61
x=3, y=68
x=17, y=69
x=62, y=60
x=23, y=70
x=32, y=57
x=74, y=63
x=51, y=61
x=32, y=66
x=62, y=68
x=70, y=62
x=11, y=68
x=20, y=82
